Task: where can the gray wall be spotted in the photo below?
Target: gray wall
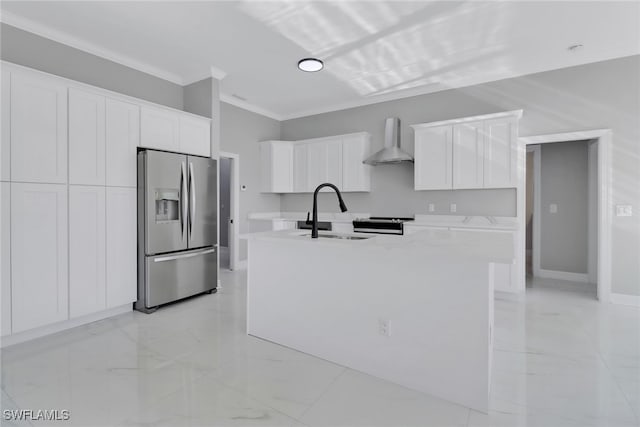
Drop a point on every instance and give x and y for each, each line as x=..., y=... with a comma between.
x=240, y=132
x=198, y=97
x=30, y=50
x=593, y=96
x=564, y=239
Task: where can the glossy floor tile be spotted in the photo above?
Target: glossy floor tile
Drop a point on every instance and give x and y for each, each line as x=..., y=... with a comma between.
x=560, y=359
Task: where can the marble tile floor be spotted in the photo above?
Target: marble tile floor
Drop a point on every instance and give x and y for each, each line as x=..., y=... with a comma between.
x=560, y=359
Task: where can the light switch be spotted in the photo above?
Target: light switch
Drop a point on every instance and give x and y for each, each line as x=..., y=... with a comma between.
x=453, y=207
x=553, y=208
x=432, y=207
x=624, y=210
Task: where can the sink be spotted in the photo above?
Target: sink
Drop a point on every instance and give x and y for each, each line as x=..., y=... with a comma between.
x=338, y=236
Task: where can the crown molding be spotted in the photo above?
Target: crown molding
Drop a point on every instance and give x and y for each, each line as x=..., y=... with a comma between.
x=250, y=107
x=74, y=42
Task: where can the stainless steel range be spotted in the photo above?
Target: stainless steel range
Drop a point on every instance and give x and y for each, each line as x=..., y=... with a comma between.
x=380, y=225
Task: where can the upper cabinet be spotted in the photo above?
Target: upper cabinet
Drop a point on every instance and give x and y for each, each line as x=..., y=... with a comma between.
x=474, y=152
x=86, y=138
x=300, y=166
x=195, y=136
x=174, y=131
x=159, y=129
x=122, y=139
x=38, y=128
x=276, y=158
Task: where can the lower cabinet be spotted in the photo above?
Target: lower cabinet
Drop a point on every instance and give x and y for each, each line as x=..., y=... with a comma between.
x=121, y=278
x=87, y=293
x=39, y=274
x=5, y=258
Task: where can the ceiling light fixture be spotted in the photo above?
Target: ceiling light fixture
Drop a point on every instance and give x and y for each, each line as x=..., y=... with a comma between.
x=310, y=65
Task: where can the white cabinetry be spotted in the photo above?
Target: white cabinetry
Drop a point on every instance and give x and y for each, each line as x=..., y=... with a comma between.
x=38, y=128
x=5, y=126
x=356, y=176
x=300, y=166
x=433, y=158
x=276, y=166
x=121, y=264
x=39, y=273
x=87, y=270
x=501, y=153
x=474, y=152
x=468, y=152
x=122, y=139
x=195, y=136
x=86, y=138
x=300, y=159
x=5, y=257
x=159, y=129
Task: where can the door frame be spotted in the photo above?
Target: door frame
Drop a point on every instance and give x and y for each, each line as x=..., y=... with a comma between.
x=234, y=184
x=603, y=138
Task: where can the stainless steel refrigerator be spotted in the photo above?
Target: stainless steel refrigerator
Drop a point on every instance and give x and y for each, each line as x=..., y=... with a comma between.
x=177, y=227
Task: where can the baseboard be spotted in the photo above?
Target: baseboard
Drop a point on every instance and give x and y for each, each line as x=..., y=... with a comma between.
x=562, y=275
x=622, y=299
x=509, y=296
x=62, y=326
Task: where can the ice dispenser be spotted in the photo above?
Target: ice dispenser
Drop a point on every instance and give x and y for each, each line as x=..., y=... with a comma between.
x=167, y=205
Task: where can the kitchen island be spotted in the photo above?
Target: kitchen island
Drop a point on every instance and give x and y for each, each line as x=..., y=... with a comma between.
x=416, y=310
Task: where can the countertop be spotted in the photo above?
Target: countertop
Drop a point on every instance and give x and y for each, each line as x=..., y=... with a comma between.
x=461, y=244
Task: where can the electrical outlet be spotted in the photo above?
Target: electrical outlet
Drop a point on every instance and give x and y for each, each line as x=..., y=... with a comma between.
x=624, y=210
x=553, y=208
x=432, y=207
x=453, y=207
x=384, y=327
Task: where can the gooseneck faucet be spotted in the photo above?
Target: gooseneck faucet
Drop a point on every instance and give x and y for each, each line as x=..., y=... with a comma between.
x=314, y=222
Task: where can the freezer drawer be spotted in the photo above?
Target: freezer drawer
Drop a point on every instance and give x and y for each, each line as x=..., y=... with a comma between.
x=174, y=276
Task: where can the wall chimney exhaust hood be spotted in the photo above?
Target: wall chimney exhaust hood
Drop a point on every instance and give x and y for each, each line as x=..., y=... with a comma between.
x=391, y=152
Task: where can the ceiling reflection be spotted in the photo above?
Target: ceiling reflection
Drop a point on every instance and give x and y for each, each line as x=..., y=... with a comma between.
x=382, y=47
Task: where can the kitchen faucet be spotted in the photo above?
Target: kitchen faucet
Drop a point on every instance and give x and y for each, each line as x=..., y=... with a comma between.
x=314, y=221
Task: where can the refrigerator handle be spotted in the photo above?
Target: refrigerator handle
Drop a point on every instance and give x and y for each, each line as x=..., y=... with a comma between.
x=192, y=193
x=183, y=201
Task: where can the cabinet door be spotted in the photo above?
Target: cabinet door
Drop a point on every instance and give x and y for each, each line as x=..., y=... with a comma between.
x=159, y=129
x=38, y=128
x=300, y=184
x=334, y=163
x=5, y=126
x=121, y=246
x=501, y=153
x=468, y=155
x=39, y=275
x=195, y=136
x=86, y=250
x=122, y=139
x=5, y=258
x=316, y=164
x=276, y=166
x=356, y=176
x=86, y=138
x=433, y=158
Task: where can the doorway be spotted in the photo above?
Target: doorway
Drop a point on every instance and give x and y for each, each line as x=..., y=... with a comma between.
x=229, y=170
x=593, y=265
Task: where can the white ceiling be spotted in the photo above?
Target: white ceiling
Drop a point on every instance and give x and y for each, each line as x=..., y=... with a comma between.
x=373, y=50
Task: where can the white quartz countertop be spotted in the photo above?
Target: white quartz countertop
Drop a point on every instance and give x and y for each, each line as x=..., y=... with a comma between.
x=346, y=217
x=462, y=244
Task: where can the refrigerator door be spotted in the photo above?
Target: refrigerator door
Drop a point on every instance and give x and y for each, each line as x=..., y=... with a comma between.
x=203, y=203
x=171, y=277
x=165, y=199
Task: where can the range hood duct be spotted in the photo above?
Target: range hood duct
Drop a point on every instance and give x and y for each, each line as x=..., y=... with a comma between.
x=391, y=153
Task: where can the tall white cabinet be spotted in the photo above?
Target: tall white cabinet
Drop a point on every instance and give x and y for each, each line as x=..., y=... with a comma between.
x=39, y=274
x=38, y=128
x=68, y=211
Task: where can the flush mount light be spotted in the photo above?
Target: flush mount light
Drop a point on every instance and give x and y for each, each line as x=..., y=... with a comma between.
x=310, y=65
